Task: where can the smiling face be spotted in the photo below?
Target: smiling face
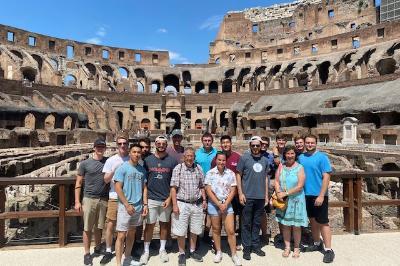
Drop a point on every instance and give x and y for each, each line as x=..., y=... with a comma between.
x=221, y=161
x=281, y=143
x=311, y=144
x=290, y=156
x=145, y=147
x=299, y=145
x=188, y=157
x=161, y=146
x=122, y=146
x=99, y=150
x=255, y=147
x=176, y=140
x=226, y=145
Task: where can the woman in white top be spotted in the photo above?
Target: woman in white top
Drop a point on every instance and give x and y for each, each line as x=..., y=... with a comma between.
x=221, y=188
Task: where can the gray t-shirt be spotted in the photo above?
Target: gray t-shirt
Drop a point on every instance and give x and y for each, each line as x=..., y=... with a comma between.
x=253, y=171
x=93, y=176
x=159, y=176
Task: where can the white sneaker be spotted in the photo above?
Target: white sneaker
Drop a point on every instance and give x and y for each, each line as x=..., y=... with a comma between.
x=144, y=259
x=164, y=256
x=236, y=260
x=218, y=257
x=127, y=261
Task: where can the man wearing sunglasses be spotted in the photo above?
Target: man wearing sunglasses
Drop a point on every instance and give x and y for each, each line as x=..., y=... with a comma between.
x=156, y=195
x=252, y=184
x=109, y=169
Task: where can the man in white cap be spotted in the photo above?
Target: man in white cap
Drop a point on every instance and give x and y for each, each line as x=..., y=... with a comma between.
x=252, y=184
x=156, y=196
x=176, y=149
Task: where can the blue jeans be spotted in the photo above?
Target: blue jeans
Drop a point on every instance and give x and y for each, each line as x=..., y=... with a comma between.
x=252, y=213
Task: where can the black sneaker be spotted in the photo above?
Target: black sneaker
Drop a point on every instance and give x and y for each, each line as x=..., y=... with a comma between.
x=246, y=255
x=313, y=248
x=259, y=252
x=106, y=258
x=329, y=256
x=182, y=260
x=87, y=259
x=194, y=255
x=99, y=250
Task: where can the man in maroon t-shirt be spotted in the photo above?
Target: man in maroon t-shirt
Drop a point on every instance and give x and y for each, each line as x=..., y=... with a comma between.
x=232, y=159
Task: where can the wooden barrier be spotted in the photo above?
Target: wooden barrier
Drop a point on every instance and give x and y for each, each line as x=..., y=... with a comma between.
x=352, y=202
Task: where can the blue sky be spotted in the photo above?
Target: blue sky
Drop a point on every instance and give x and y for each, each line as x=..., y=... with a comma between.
x=183, y=27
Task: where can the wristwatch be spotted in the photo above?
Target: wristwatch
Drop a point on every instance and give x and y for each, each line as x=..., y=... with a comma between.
x=276, y=156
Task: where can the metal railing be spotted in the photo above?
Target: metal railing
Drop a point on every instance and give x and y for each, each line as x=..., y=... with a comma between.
x=352, y=202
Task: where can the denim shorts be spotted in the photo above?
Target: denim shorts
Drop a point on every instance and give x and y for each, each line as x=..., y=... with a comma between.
x=213, y=209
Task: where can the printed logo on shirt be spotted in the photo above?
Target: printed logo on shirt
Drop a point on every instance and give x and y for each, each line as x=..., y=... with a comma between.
x=257, y=167
x=137, y=176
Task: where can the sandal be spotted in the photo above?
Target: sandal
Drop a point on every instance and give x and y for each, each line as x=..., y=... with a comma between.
x=296, y=253
x=286, y=253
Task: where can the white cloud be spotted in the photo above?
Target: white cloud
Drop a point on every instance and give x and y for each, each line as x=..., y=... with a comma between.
x=211, y=23
x=162, y=30
x=177, y=58
x=94, y=40
x=101, y=32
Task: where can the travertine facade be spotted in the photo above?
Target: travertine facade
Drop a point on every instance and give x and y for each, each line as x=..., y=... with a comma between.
x=291, y=68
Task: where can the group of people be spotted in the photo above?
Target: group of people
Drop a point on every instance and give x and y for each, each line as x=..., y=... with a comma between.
x=184, y=189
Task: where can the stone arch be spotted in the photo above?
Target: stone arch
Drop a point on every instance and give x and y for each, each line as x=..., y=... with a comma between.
x=124, y=72
x=91, y=68
x=243, y=72
x=302, y=78
x=70, y=81
x=172, y=82
x=223, y=119
x=155, y=86
x=140, y=87
x=187, y=77
x=253, y=124
x=187, y=89
x=145, y=124
x=67, y=123
x=38, y=60
x=275, y=124
x=173, y=116
x=386, y=66
x=120, y=119
x=227, y=85
x=29, y=73
x=323, y=71
x=199, y=88
x=18, y=54
x=213, y=87
x=30, y=121
x=230, y=73
x=50, y=122
x=139, y=73
x=108, y=69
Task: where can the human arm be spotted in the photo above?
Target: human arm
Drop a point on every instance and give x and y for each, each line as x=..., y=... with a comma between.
x=78, y=186
x=108, y=177
x=202, y=190
x=175, y=208
x=173, y=191
x=326, y=177
x=121, y=196
x=242, y=197
x=145, y=200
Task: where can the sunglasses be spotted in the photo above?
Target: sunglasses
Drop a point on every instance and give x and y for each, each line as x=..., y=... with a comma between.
x=122, y=143
x=255, y=145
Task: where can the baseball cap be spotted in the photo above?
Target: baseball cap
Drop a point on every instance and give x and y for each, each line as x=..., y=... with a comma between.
x=176, y=132
x=255, y=138
x=161, y=138
x=99, y=142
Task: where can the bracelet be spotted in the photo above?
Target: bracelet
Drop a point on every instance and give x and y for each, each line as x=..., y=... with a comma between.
x=77, y=187
x=287, y=193
x=145, y=204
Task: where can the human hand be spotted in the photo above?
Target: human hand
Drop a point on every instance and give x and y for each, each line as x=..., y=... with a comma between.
x=130, y=210
x=145, y=211
x=78, y=206
x=242, y=199
x=281, y=195
x=166, y=203
x=204, y=204
x=222, y=207
x=318, y=201
x=175, y=209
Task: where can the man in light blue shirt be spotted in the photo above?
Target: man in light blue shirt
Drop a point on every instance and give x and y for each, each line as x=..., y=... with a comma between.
x=129, y=181
x=206, y=154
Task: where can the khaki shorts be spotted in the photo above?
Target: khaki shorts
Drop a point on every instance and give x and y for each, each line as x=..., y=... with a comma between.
x=125, y=221
x=112, y=208
x=156, y=210
x=94, y=213
x=188, y=214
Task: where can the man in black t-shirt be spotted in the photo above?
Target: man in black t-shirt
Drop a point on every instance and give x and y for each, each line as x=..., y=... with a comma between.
x=94, y=203
x=156, y=195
